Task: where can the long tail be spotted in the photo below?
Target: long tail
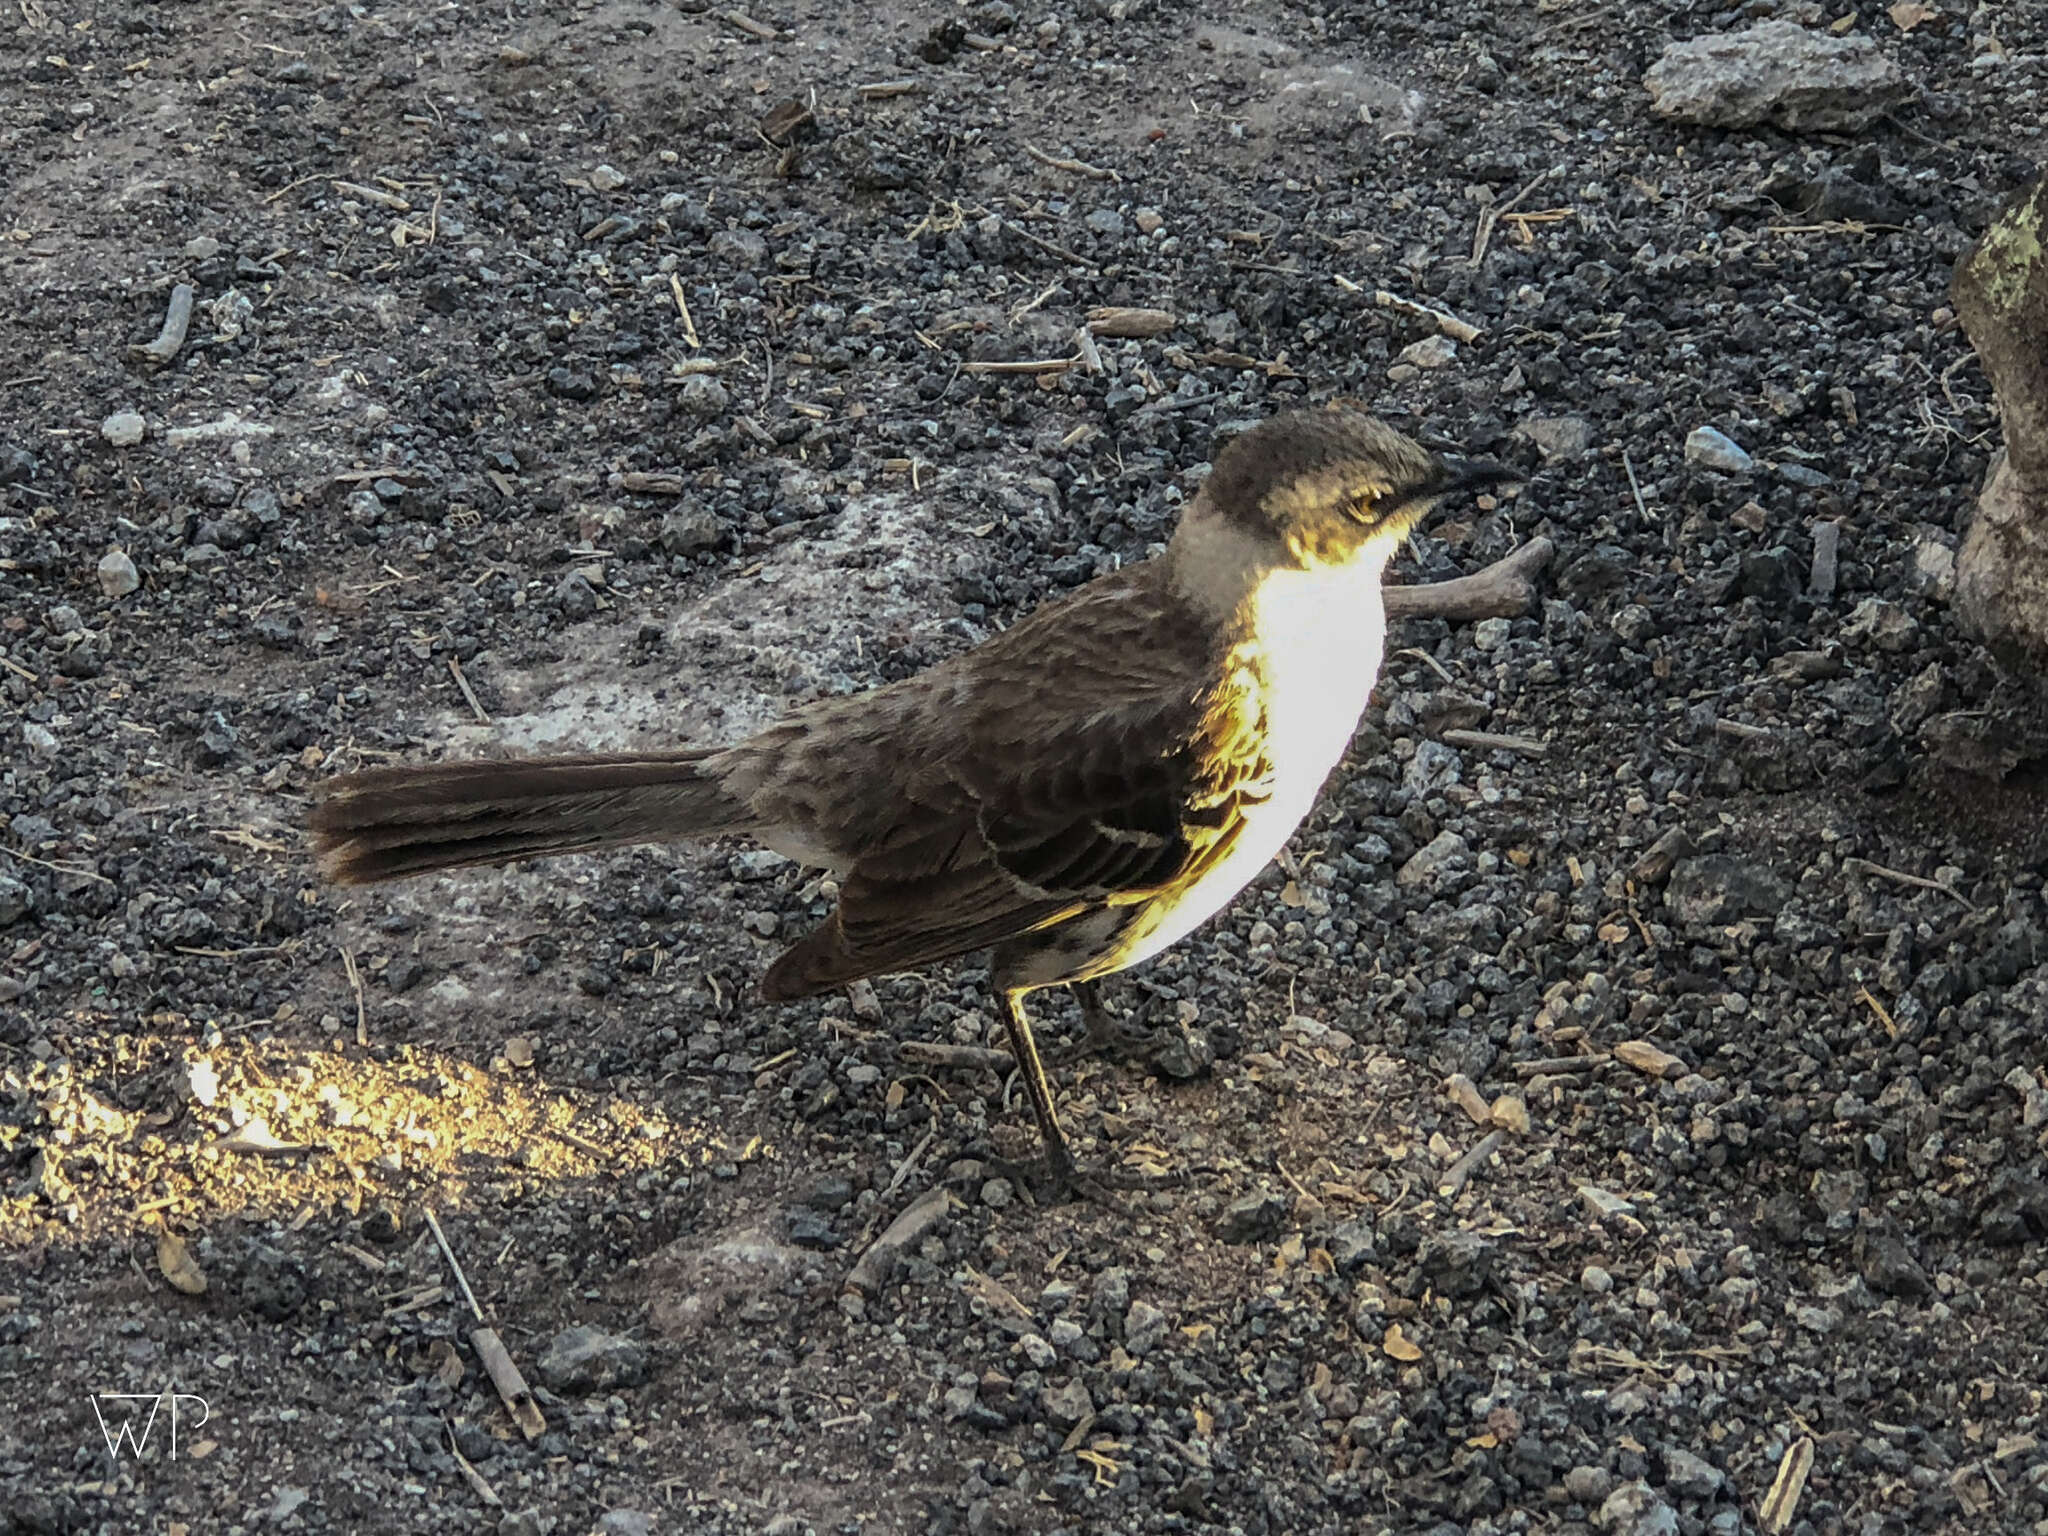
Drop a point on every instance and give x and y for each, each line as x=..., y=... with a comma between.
x=392, y=822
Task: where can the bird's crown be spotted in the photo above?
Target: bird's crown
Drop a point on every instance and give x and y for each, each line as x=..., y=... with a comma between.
x=1329, y=484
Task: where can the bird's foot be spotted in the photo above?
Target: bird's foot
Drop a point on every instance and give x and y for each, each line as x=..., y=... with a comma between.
x=1116, y=1039
x=1167, y=1049
x=1053, y=1180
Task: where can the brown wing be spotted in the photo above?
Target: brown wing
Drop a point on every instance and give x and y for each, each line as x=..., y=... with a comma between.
x=1027, y=829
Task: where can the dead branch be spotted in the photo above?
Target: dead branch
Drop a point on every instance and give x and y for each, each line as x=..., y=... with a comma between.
x=1504, y=590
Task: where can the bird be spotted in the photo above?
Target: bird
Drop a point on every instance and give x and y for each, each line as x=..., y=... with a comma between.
x=1073, y=795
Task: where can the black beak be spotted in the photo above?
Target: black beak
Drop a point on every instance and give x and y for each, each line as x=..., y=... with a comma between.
x=1457, y=473
x=1449, y=473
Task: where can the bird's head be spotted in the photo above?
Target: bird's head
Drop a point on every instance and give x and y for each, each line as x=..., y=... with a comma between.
x=1321, y=489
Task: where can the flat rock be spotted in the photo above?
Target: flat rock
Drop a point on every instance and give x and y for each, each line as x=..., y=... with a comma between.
x=1252, y=1219
x=1429, y=861
x=583, y=1359
x=1560, y=439
x=1719, y=888
x=1780, y=73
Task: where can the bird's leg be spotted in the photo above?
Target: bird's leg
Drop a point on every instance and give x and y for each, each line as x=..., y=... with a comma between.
x=1024, y=1048
x=1057, y=1175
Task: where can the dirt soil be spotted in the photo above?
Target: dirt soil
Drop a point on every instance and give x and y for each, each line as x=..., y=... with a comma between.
x=608, y=374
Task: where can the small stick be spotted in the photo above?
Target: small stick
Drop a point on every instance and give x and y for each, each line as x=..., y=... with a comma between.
x=973, y=1058
x=1899, y=875
x=448, y=1253
x=916, y=1156
x=355, y=980
x=424, y=1297
x=1033, y=365
x=62, y=869
x=1077, y=167
x=1548, y=1064
x=1781, y=1504
x=1024, y=309
x=574, y=1140
x=17, y=668
x=1891, y=1025
x=872, y=1270
x=375, y=195
x=490, y=1349
x=1430, y=662
x=177, y=321
x=1448, y=323
x=1737, y=731
x=470, y=1474
x=1299, y=1188
x=293, y=186
x=882, y=90
x=675, y=287
x=1043, y=244
x=1490, y=215
x=1488, y=741
x=1501, y=591
x=644, y=482
x=1120, y=321
x=1456, y=1176
x=462, y=682
x=364, y=1257
x=1635, y=486
x=742, y=22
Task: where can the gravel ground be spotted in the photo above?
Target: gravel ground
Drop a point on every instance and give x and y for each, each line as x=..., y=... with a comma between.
x=1733, y=981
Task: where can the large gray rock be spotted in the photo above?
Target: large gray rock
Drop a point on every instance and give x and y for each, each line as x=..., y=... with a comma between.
x=1777, y=72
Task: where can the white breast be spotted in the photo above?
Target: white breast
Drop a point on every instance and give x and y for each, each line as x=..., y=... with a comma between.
x=1320, y=635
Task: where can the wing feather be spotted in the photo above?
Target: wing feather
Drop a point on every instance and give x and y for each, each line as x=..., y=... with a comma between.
x=1090, y=768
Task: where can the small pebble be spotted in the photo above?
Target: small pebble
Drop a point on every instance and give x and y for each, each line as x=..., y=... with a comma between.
x=117, y=573
x=1716, y=450
x=1430, y=352
x=124, y=429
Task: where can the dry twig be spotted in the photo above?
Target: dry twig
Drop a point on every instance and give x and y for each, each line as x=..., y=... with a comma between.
x=675, y=288
x=455, y=667
x=1076, y=167
x=1781, y=1504
x=1503, y=590
x=1444, y=320
x=1456, y=1176
x=490, y=1349
x=1864, y=866
x=972, y=1058
x=177, y=321
x=1489, y=741
x=872, y=1270
x=1491, y=214
x=355, y=981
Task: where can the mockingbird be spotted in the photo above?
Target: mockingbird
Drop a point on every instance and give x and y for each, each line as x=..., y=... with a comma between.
x=1074, y=794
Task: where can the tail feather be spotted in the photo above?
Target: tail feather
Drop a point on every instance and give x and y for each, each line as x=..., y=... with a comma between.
x=392, y=822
